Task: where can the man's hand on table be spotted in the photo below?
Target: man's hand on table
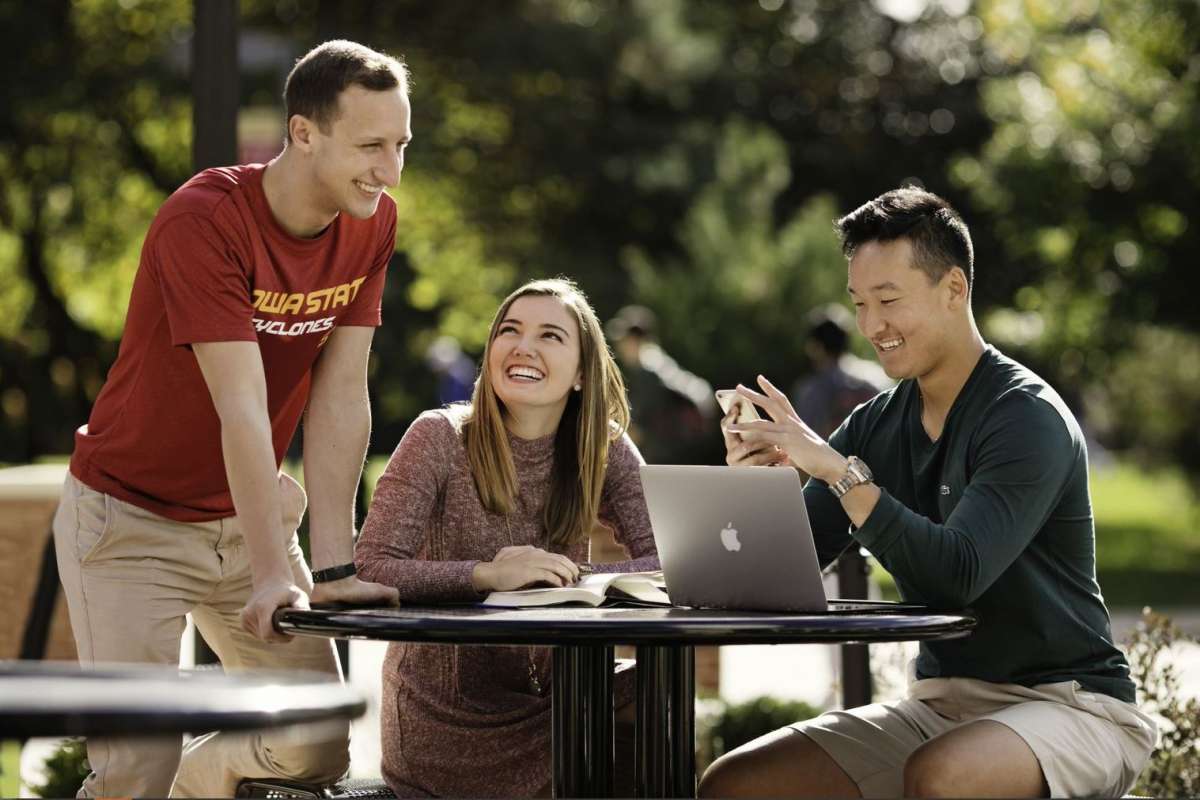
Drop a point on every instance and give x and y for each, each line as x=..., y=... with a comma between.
x=357, y=592
x=257, y=616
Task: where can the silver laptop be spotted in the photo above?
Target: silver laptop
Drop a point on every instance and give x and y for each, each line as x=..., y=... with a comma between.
x=734, y=537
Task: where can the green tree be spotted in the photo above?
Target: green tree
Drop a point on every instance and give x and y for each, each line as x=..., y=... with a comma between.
x=603, y=139
x=733, y=301
x=93, y=137
x=1088, y=181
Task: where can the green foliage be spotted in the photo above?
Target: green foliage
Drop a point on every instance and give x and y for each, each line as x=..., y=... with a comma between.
x=10, y=768
x=453, y=270
x=722, y=727
x=65, y=770
x=1174, y=768
x=732, y=305
x=1086, y=183
x=687, y=155
x=97, y=135
x=1152, y=396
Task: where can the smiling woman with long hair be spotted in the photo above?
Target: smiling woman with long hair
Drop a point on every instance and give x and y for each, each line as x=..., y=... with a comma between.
x=498, y=494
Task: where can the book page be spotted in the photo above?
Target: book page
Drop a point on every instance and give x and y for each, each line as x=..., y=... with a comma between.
x=593, y=590
x=646, y=587
x=548, y=596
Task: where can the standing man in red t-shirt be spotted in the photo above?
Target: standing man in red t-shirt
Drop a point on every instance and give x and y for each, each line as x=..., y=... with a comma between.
x=254, y=305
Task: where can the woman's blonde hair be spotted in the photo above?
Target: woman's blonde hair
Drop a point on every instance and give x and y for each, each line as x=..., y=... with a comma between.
x=594, y=416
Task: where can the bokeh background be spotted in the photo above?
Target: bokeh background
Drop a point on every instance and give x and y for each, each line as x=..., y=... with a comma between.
x=685, y=155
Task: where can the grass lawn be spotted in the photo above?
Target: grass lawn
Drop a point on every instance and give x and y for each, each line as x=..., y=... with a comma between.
x=1147, y=539
x=10, y=768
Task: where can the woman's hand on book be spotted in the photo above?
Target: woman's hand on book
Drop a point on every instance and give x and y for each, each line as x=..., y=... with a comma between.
x=521, y=567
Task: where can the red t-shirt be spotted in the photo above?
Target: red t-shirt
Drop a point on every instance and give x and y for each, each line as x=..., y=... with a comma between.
x=217, y=267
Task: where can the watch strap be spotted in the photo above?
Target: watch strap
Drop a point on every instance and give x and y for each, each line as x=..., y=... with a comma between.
x=330, y=574
x=857, y=473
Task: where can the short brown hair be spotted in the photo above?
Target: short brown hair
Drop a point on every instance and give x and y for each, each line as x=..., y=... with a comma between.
x=323, y=73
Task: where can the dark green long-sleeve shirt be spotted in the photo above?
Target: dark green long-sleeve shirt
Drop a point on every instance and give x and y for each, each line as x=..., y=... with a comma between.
x=994, y=515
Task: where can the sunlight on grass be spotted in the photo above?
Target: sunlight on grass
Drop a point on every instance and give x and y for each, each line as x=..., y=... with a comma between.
x=1147, y=549
x=1146, y=520
x=10, y=768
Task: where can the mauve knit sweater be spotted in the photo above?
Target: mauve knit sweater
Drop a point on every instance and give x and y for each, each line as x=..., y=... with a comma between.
x=464, y=720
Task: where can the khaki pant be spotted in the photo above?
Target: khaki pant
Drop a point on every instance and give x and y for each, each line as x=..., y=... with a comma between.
x=130, y=577
x=1087, y=744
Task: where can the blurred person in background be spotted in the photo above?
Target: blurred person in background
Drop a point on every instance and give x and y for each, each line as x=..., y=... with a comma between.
x=255, y=303
x=494, y=495
x=840, y=380
x=671, y=409
x=455, y=372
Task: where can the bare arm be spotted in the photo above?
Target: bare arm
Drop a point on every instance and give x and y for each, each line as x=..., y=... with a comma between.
x=337, y=427
x=234, y=374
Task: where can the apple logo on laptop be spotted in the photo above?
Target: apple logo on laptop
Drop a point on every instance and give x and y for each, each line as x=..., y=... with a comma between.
x=729, y=538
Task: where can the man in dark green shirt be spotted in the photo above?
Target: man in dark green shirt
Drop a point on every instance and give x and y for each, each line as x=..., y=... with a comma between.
x=968, y=482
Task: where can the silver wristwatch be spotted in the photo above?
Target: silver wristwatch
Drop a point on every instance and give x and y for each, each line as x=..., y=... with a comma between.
x=856, y=473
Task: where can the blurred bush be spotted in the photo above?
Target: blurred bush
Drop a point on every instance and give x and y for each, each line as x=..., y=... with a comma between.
x=1174, y=768
x=721, y=727
x=64, y=770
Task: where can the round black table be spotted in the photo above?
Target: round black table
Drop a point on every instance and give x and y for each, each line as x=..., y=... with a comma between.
x=39, y=698
x=583, y=640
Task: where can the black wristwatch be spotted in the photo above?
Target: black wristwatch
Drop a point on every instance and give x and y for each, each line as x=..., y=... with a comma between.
x=330, y=574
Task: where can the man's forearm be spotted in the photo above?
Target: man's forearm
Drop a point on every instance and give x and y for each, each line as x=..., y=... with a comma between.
x=860, y=501
x=336, y=434
x=253, y=482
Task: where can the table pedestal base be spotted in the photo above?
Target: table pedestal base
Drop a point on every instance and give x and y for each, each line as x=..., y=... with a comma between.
x=666, y=722
x=583, y=721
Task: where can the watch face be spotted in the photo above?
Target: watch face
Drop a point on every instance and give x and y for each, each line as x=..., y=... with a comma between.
x=860, y=470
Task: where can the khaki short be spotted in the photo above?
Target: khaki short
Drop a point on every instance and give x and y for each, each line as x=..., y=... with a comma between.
x=1087, y=743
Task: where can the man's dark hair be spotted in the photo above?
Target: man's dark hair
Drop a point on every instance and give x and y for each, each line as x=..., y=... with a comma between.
x=939, y=237
x=323, y=73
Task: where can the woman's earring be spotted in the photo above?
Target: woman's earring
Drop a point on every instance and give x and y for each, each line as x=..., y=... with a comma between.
x=578, y=387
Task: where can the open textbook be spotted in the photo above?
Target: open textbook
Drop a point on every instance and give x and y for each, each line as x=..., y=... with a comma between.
x=593, y=590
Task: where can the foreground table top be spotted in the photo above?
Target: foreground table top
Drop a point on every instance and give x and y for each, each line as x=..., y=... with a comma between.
x=50, y=699
x=574, y=625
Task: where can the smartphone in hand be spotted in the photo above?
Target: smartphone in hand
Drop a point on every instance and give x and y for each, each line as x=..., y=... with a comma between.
x=747, y=412
x=728, y=398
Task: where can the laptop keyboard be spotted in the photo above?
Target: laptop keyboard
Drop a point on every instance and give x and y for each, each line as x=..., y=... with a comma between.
x=882, y=606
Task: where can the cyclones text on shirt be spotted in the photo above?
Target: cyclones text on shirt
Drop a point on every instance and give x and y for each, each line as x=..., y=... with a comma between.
x=294, y=303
